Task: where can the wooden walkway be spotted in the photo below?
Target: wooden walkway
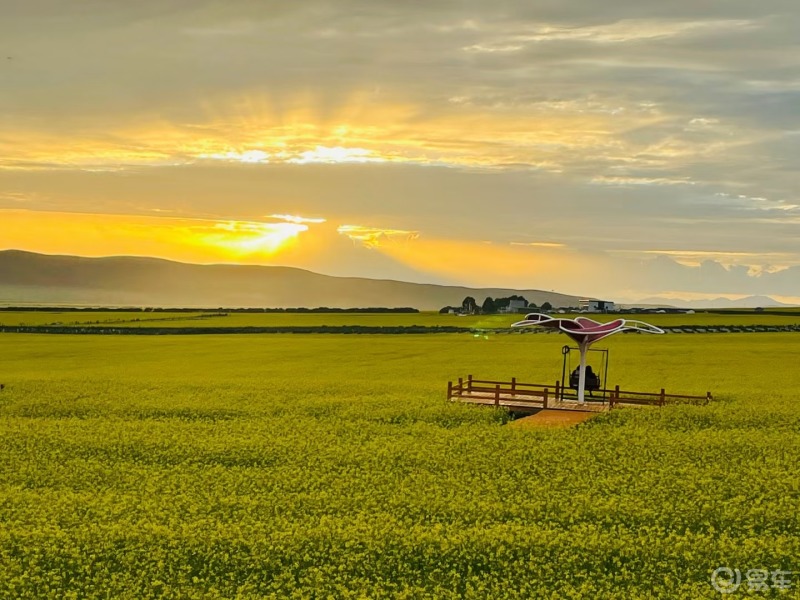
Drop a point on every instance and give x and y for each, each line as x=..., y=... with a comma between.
x=530, y=398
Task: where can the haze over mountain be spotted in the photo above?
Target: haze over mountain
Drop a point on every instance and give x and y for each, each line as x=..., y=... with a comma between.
x=721, y=302
x=27, y=277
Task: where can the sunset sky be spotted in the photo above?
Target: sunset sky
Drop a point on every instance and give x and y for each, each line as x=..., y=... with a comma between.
x=620, y=149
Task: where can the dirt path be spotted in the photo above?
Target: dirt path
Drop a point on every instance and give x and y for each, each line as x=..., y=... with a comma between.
x=552, y=418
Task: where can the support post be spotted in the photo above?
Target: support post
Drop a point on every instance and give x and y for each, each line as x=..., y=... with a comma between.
x=583, y=346
x=559, y=394
x=663, y=399
x=469, y=383
x=497, y=395
x=514, y=385
x=460, y=387
x=544, y=401
x=449, y=390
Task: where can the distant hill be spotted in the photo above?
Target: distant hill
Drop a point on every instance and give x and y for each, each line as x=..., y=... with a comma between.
x=30, y=278
x=746, y=302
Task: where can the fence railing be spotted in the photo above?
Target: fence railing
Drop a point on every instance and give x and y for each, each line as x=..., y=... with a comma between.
x=503, y=392
x=654, y=399
x=497, y=391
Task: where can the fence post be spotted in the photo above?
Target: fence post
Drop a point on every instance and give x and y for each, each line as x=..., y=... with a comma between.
x=460, y=387
x=513, y=385
x=662, y=400
x=544, y=402
x=709, y=398
x=469, y=383
x=497, y=395
x=559, y=395
x=449, y=390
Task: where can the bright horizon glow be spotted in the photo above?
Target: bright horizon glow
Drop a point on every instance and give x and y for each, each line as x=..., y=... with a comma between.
x=315, y=245
x=200, y=241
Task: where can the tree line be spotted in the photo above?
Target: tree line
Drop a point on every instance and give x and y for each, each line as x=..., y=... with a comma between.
x=492, y=306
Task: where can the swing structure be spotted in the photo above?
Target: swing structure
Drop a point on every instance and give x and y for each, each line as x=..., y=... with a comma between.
x=529, y=398
x=585, y=332
x=594, y=380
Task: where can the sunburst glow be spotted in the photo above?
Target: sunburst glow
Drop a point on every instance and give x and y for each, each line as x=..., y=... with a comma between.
x=242, y=237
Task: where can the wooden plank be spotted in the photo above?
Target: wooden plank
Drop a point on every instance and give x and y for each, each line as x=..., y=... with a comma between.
x=512, y=383
x=491, y=395
x=509, y=391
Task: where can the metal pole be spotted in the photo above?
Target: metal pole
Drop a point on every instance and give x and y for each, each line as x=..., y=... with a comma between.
x=583, y=347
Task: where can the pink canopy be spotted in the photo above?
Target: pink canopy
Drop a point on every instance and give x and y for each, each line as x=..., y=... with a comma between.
x=582, y=329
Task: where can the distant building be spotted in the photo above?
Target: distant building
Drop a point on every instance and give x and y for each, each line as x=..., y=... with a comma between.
x=515, y=306
x=596, y=306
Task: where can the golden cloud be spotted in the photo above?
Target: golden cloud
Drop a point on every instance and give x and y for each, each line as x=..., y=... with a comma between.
x=296, y=219
x=372, y=237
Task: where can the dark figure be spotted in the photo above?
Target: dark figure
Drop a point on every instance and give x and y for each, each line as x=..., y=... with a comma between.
x=592, y=381
x=574, y=378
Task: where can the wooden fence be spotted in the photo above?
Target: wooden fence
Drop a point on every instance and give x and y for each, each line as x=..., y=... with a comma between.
x=517, y=394
x=501, y=393
x=661, y=398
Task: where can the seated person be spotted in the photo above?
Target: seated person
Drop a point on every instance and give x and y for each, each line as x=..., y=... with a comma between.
x=591, y=382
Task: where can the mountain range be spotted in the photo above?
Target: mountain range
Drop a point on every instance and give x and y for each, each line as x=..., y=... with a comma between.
x=31, y=278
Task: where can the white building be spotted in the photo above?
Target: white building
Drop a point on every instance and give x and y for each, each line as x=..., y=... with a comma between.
x=515, y=306
x=593, y=305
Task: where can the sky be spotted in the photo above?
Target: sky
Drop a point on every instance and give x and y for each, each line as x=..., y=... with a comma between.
x=619, y=149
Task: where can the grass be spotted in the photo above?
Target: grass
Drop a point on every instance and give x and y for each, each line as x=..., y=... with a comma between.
x=330, y=466
x=429, y=319
x=93, y=318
